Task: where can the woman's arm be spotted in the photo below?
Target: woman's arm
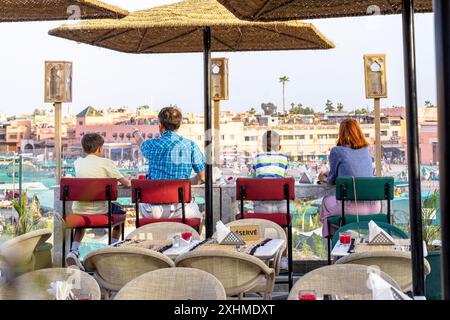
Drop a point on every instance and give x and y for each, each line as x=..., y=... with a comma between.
x=334, y=163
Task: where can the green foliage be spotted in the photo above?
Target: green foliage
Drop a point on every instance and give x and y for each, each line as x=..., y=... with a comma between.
x=329, y=108
x=428, y=104
x=362, y=111
x=30, y=217
x=269, y=109
x=306, y=249
x=252, y=111
x=319, y=246
x=340, y=107
x=429, y=209
x=299, y=109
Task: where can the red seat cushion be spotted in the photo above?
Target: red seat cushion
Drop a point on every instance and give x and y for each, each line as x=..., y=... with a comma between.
x=278, y=218
x=192, y=222
x=92, y=220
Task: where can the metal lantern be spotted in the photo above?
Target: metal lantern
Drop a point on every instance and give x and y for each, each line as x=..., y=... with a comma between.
x=375, y=76
x=219, y=79
x=58, y=81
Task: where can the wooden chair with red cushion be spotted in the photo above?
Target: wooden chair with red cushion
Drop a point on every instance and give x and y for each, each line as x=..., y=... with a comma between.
x=163, y=192
x=89, y=189
x=280, y=189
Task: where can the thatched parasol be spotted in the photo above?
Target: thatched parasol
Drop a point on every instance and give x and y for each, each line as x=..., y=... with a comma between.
x=179, y=28
x=42, y=10
x=195, y=26
x=271, y=10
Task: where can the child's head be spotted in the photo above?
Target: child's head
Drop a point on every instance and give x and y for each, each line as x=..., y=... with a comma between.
x=271, y=141
x=92, y=143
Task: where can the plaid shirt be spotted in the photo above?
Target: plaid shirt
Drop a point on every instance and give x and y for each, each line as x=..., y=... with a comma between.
x=172, y=157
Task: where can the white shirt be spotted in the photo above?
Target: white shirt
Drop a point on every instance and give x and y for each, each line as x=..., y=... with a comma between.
x=94, y=167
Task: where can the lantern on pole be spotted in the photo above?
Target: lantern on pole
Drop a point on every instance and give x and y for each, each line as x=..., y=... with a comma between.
x=219, y=91
x=58, y=90
x=376, y=88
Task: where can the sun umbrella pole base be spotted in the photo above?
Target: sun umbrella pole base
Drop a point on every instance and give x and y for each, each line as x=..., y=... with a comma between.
x=415, y=206
x=208, y=133
x=58, y=107
x=442, y=27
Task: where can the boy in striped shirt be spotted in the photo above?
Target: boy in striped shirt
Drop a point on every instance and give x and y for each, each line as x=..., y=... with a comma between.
x=271, y=164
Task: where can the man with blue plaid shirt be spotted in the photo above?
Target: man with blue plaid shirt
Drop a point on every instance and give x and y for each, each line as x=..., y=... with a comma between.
x=171, y=157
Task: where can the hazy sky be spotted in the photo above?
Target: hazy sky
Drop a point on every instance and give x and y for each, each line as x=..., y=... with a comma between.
x=105, y=78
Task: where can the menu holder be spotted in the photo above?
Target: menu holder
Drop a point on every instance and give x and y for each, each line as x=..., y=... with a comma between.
x=381, y=239
x=232, y=238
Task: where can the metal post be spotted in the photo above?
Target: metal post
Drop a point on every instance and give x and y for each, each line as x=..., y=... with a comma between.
x=217, y=133
x=208, y=133
x=58, y=141
x=415, y=206
x=442, y=32
x=20, y=175
x=378, y=150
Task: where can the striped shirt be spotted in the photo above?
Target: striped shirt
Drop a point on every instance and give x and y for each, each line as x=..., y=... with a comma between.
x=270, y=165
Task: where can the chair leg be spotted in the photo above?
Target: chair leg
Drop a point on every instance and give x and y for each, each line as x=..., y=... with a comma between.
x=290, y=258
x=123, y=231
x=329, y=249
x=63, y=253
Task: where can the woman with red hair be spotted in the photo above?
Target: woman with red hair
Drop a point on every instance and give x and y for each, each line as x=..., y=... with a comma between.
x=350, y=158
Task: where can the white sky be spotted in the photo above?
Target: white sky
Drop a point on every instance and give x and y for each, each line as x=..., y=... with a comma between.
x=105, y=78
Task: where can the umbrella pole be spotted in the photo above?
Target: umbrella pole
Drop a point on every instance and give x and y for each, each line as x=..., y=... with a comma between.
x=58, y=141
x=442, y=28
x=208, y=133
x=415, y=206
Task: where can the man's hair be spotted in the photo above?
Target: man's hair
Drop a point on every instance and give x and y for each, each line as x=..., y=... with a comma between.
x=91, y=142
x=271, y=141
x=170, y=118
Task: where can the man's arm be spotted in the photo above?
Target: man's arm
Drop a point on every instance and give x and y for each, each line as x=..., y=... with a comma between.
x=138, y=137
x=201, y=177
x=125, y=182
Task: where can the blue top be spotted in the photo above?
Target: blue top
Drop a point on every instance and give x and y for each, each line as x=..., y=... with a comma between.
x=172, y=157
x=348, y=162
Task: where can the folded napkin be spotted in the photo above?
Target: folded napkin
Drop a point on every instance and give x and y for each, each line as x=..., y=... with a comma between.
x=62, y=290
x=382, y=290
x=222, y=231
x=378, y=235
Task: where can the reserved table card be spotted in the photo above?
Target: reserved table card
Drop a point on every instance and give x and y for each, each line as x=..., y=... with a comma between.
x=247, y=233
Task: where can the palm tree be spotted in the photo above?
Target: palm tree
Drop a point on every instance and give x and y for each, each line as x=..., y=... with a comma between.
x=340, y=107
x=283, y=81
x=329, y=108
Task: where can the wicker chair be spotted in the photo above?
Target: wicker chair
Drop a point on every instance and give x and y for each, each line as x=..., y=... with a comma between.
x=115, y=267
x=162, y=231
x=268, y=229
x=33, y=285
x=395, y=263
x=173, y=284
x=19, y=251
x=238, y=272
x=342, y=280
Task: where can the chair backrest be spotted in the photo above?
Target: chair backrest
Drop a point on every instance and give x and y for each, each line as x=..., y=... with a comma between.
x=162, y=231
x=394, y=263
x=114, y=267
x=349, y=280
x=33, y=285
x=88, y=189
x=18, y=252
x=367, y=188
x=363, y=228
x=238, y=272
x=161, y=191
x=267, y=228
x=255, y=189
x=173, y=284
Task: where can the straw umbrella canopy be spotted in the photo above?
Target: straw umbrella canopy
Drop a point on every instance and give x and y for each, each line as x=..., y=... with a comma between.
x=270, y=10
x=179, y=28
x=194, y=26
x=46, y=10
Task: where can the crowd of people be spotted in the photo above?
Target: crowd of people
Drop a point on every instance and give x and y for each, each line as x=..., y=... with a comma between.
x=172, y=157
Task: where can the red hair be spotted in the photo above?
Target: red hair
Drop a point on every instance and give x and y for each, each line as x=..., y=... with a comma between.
x=351, y=135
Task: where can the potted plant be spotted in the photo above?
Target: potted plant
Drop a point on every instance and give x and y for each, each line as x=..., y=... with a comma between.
x=29, y=218
x=431, y=236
